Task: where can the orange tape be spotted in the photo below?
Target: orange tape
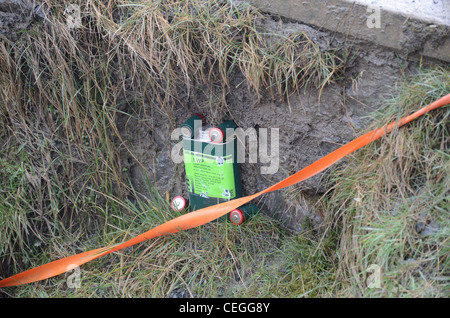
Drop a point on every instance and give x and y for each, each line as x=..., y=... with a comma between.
x=205, y=215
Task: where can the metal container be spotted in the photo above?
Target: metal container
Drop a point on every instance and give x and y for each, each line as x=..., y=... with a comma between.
x=210, y=158
x=212, y=171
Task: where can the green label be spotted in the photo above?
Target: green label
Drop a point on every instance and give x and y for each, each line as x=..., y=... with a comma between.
x=209, y=176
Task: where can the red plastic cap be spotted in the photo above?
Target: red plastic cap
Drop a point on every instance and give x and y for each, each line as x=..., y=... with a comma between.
x=216, y=135
x=237, y=216
x=178, y=203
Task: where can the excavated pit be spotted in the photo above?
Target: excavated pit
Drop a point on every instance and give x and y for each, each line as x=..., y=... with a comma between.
x=311, y=125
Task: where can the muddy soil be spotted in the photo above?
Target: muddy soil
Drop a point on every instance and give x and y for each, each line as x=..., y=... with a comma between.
x=310, y=126
x=16, y=16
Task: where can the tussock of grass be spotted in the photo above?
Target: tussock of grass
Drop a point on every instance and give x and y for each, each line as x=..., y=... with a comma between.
x=205, y=42
x=391, y=200
x=201, y=262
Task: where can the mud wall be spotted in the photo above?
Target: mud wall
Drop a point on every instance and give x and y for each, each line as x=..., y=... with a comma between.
x=311, y=125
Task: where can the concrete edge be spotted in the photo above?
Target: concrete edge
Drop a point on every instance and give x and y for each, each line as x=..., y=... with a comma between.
x=409, y=34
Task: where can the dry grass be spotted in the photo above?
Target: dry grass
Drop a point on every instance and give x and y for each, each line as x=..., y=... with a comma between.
x=391, y=200
x=61, y=91
x=197, y=42
x=63, y=190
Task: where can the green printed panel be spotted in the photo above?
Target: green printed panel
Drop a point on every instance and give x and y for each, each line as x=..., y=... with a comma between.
x=210, y=176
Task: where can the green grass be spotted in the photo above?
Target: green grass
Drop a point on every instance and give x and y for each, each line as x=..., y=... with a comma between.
x=63, y=190
x=14, y=187
x=390, y=200
x=62, y=91
x=215, y=260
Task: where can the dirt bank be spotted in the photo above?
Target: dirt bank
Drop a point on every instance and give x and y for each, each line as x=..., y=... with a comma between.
x=311, y=124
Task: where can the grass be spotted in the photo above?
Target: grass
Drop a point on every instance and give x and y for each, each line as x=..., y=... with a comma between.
x=62, y=91
x=63, y=190
x=215, y=260
x=390, y=200
x=198, y=42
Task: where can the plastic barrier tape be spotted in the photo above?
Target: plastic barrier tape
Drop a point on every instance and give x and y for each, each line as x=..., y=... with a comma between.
x=205, y=215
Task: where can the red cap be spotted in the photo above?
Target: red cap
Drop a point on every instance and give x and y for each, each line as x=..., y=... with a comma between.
x=178, y=203
x=237, y=216
x=219, y=132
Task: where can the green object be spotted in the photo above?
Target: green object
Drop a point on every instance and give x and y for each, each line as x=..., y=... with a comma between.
x=210, y=176
x=212, y=171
